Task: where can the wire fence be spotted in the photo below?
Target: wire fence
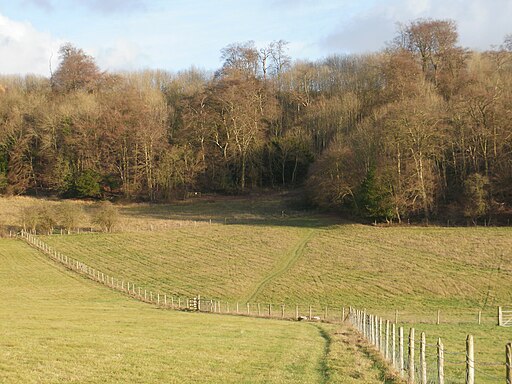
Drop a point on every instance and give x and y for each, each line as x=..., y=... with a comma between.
x=420, y=362
x=416, y=360
x=483, y=316
x=309, y=312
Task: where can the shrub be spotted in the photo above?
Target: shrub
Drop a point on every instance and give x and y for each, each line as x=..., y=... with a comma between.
x=106, y=216
x=46, y=217
x=40, y=217
x=69, y=215
x=87, y=184
x=476, y=196
x=29, y=218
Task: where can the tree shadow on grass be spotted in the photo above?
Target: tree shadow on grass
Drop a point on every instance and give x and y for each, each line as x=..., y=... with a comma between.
x=267, y=210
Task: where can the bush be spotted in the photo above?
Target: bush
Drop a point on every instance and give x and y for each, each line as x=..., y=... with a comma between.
x=476, y=196
x=29, y=218
x=46, y=218
x=106, y=216
x=69, y=215
x=40, y=217
x=87, y=184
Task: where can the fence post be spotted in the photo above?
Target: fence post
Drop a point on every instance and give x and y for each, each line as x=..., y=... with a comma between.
x=296, y=311
x=438, y=317
x=386, y=346
x=470, y=360
x=508, y=363
x=282, y=311
x=500, y=317
x=440, y=361
x=479, y=317
x=423, y=360
x=372, y=329
x=371, y=325
x=310, y=312
x=378, y=323
x=396, y=316
x=401, y=350
x=410, y=368
x=248, y=309
x=270, y=310
x=259, y=309
x=364, y=323
x=342, y=314
x=393, y=339
x=381, y=336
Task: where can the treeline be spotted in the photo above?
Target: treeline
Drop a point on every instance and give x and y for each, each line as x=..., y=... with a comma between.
x=418, y=130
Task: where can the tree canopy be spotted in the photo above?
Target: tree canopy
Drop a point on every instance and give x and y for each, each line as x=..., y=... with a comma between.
x=418, y=130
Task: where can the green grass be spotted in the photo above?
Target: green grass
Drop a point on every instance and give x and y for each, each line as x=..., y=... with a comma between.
x=226, y=262
x=489, y=344
x=58, y=327
x=414, y=270
x=259, y=250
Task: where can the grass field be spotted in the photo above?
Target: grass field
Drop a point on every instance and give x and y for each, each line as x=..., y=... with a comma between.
x=259, y=250
x=57, y=327
x=415, y=270
x=489, y=344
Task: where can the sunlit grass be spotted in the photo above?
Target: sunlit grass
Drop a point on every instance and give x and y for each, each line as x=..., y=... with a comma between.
x=57, y=327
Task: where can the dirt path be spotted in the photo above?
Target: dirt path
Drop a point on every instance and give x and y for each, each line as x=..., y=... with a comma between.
x=286, y=262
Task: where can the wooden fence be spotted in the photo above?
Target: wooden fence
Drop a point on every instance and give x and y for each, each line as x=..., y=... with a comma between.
x=504, y=317
x=326, y=313
x=385, y=335
x=390, y=341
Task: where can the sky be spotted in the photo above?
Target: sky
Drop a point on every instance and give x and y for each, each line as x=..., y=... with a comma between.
x=175, y=35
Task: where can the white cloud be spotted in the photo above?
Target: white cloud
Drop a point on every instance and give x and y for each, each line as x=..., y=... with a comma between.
x=124, y=55
x=481, y=23
x=23, y=49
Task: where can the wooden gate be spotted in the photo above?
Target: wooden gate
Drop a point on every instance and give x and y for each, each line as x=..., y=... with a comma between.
x=505, y=316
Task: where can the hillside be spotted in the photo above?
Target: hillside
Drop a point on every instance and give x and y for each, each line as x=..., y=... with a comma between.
x=61, y=328
x=405, y=268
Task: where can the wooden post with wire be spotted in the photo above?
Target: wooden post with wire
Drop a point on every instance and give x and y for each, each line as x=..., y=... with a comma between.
x=440, y=361
x=423, y=359
x=470, y=360
x=508, y=363
x=410, y=368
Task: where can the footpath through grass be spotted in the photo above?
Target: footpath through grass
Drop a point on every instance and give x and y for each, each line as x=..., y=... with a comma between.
x=57, y=327
x=414, y=270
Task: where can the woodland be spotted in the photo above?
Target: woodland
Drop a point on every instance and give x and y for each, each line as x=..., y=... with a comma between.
x=420, y=130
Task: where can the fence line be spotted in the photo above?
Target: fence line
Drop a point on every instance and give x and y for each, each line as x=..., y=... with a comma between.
x=502, y=317
x=382, y=335
x=326, y=313
x=379, y=332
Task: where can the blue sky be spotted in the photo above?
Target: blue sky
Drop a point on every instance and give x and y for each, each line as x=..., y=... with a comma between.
x=176, y=34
